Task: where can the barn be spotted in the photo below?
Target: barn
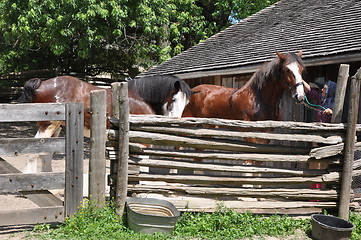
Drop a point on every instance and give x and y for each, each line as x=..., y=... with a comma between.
x=327, y=32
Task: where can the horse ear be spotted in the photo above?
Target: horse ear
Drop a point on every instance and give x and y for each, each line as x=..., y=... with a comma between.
x=280, y=55
x=299, y=53
x=177, y=85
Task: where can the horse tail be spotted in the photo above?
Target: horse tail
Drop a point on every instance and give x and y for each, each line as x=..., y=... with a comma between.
x=29, y=90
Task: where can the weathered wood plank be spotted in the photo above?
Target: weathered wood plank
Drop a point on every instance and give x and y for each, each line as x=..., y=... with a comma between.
x=165, y=121
x=43, y=198
x=200, y=204
x=304, y=194
x=215, y=144
x=74, y=157
x=357, y=164
x=15, y=182
x=195, y=179
x=32, y=112
x=327, y=151
x=31, y=216
x=207, y=132
x=19, y=146
x=226, y=156
x=97, y=159
x=191, y=165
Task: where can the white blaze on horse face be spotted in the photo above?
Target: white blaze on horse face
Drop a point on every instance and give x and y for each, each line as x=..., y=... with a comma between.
x=179, y=103
x=299, y=89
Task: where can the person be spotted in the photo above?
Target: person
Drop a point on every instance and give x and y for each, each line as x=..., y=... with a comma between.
x=325, y=99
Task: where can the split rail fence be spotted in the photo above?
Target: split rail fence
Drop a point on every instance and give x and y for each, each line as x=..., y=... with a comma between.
x=193, y=155
x=36, y=186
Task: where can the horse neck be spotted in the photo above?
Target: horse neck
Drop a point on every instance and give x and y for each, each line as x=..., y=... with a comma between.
x=269, y=85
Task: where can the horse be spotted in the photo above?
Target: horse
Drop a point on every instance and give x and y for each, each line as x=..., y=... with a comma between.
x=257, y=100
x=166, y=94
x=71, y=89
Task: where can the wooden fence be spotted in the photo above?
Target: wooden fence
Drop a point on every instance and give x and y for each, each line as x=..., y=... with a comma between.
x=199, y=185
x=35, y=186
x=199, y=180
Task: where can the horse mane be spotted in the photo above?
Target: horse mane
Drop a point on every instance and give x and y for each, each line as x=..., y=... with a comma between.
x=272, y=70
x=29, y=90
x=142, y=85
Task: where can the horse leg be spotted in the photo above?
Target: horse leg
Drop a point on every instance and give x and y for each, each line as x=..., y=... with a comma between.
x=46, y=159
x=45, y=130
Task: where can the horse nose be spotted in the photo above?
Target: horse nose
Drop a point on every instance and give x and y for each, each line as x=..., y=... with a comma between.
x=299, y=98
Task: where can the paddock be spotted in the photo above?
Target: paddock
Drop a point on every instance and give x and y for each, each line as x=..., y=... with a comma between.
x=157, y=158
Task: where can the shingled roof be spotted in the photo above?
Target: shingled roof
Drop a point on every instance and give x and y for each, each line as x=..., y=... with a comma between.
x=324, y=30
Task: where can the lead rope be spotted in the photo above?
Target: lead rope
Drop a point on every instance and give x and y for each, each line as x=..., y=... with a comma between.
x=309, y=105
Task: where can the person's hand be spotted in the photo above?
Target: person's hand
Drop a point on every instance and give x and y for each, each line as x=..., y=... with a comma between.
x=328, y=111
x=306, y=86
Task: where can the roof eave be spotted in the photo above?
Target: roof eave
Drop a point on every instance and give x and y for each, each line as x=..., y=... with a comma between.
x=251, y=68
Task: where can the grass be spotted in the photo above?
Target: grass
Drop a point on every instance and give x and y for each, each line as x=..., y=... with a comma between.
x=93, y=223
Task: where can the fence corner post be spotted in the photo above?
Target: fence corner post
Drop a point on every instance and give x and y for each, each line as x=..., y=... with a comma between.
x=123, y=154
x=349, y=148
x=342, y=78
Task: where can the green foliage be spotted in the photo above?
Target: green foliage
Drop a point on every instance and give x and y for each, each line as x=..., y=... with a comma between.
x=115, y=36
x=93, y=223
x=232, y=225
x=355, y=218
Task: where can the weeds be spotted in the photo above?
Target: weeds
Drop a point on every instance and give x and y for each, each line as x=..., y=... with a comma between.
x=94, y=223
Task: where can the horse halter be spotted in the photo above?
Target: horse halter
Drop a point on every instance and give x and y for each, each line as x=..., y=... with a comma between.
x=294, y=86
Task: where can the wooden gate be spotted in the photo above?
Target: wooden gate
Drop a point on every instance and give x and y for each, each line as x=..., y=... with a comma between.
x=35, y=186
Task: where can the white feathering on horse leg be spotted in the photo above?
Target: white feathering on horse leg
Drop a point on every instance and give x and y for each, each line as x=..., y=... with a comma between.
x=42, y=163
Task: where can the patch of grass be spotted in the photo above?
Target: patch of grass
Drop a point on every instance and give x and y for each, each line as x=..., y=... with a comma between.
x=94, y=223
x=89, y=223
x=232, y=225
x=355, y=218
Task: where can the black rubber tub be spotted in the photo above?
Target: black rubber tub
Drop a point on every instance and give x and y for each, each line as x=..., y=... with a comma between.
x=327, y=227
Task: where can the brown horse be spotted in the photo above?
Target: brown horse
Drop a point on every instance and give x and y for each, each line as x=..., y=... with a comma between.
x=70, y=89
x=63, y=89
x=257, y=100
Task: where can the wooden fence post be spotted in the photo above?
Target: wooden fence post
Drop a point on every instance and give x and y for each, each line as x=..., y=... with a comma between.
x=97, y=159
x=122, y=172
x=349, y=147
x=74, y=157
x=342, y=78
x=113, y=164
x=120, y=95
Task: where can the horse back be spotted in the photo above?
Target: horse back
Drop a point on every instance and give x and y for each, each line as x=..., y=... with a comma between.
x=64, y=89
x=209, y=101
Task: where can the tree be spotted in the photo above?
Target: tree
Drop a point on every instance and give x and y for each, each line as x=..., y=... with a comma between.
x=115, y=36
